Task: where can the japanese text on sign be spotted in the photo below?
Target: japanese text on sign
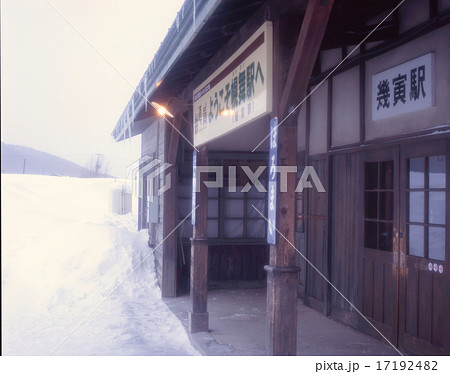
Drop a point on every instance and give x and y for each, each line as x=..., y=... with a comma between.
x=238, y=92
x=272, y=195
x=404, y=88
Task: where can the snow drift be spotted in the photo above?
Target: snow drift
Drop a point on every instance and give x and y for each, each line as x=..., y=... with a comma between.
x=68, y=282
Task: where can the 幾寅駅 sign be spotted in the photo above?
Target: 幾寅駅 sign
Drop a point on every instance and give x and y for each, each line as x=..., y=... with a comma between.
x=404, y=88
x=238, y=92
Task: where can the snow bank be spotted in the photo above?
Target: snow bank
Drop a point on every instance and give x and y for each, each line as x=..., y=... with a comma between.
x=64, y=254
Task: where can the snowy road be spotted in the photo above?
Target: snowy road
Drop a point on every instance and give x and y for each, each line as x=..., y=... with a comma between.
x=63, y=253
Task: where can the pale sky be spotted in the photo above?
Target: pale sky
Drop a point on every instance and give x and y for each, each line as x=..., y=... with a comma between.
x=57, y=94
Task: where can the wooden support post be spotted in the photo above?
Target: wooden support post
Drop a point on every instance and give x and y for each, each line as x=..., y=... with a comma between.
x=198, y=313
x=282, y=272
x=169, y=259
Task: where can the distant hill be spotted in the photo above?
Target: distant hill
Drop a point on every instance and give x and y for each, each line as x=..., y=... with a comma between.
x=17, y=159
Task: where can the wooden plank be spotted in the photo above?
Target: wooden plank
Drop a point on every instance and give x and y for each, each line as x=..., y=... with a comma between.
x=238, y=262
x=367, y=291
x=388, y=296
x=378, y=290
x=253, y=259
x=223, y=263
x=411, y=302
x=215, y=263
x=245, y=263
x=438, y=318
x=424, y=329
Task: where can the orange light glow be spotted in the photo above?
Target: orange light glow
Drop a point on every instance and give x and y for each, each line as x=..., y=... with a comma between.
x=161, y=110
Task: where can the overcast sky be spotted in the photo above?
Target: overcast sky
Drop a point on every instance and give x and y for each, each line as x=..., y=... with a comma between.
x=58, y=94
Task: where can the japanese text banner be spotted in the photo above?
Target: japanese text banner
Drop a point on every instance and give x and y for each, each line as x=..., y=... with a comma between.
x=404, y=88
x=238, y=92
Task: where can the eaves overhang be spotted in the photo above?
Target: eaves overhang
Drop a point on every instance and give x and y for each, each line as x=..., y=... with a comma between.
x=187, y=24
x=202, y=27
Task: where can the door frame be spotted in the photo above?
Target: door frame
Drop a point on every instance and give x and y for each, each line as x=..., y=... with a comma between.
x=409, y=343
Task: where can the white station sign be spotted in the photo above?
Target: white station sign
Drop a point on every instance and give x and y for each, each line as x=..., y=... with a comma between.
x=238, y=92
x=404, y=88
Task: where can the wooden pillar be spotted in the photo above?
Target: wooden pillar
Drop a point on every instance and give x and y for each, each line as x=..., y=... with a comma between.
x=289, y=90
x=169, y=259
x=282, y=272
x=198, y=313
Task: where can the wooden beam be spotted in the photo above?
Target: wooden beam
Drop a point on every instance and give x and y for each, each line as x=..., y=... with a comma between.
x=308, y=45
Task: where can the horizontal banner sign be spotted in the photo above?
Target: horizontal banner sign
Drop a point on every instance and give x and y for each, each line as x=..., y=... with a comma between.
x=238, y=92
x=404, y=88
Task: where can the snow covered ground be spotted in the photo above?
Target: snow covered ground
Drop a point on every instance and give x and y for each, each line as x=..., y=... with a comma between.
x=63, y=253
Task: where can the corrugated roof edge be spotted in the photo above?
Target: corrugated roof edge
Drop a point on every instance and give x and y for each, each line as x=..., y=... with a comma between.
x=188, y=22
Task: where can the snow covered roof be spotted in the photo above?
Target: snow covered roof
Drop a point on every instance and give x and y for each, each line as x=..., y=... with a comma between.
x=199, y=30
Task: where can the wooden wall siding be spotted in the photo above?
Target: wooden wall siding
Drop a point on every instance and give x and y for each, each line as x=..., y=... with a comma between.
x=345, y=268
x=317, y=232
x=237, y=262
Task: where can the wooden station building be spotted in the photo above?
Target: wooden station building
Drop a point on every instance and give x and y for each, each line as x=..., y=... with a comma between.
x=374, y=126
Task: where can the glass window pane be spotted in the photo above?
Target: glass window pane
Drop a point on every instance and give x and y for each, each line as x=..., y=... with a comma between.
x=387, y=175
x=213, y=192
x=233, y=195
x=234, y=208
x=370, y=235
x=213, y=208
x=258, y=204
x=254, y=193
x=233, y=228
x=416, y=206
x=256, y=228
x=437, y=171
x=371, y=205
x=371, y=176
x=385, y=236
x=386, y=206
x=437, y=207
x=436, y=243
x=416, y=240
x=417, y=172
x=212, y=228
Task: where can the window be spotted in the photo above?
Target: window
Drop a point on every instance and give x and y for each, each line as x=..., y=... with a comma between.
x=426, y=207
x=378, y=205
x=238, y=218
